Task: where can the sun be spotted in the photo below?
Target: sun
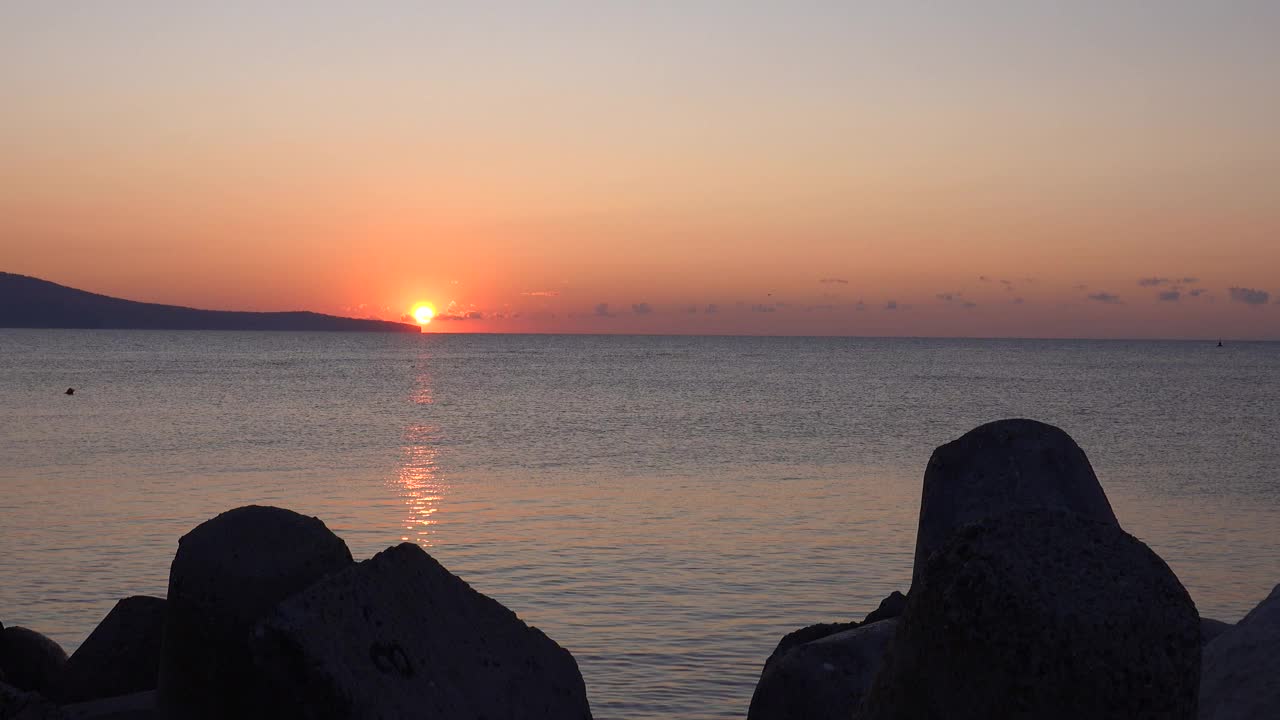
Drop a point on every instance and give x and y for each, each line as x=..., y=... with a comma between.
x=423, y=313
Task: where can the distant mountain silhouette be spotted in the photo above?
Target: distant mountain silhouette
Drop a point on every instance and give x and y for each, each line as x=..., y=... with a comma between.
x=28, y=302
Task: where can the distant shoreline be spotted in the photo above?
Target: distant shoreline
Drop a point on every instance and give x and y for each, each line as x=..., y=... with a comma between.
x=31, y=303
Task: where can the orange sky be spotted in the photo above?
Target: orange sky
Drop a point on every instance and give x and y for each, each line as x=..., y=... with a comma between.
x=607, y=168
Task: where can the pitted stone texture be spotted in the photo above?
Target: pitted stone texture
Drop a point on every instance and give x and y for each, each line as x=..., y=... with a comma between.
x=228, y=573
x=30, y=660
x=1047, y=615
x=399, y=636
x=824, y=679
x=999, y=467
x=1241, y=677
x=121, y=656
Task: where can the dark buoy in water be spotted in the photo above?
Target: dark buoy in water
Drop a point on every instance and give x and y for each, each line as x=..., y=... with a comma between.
x=1219, y=343
x=71, y=391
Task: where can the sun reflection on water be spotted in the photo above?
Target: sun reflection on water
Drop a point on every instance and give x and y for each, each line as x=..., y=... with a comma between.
x=420, y=485
x=418, y=480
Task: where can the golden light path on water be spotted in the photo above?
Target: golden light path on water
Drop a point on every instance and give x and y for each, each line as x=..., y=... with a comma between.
x=421, y=489
x=418, y=480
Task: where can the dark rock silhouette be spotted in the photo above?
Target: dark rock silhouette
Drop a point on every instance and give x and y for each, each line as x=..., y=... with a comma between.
x=137, y=706
x=1042, y=614
x=228, y=573
x=1002, y=466
x=71, y=391
x=808, y=634
x=1241, y=677
x=824, y=678
x=399, y=636
x=890, y=607
x=16, y=704
x=30, y=660
x=1211, y=629
x=823, y=670
x=121, y=656
x=28, y=302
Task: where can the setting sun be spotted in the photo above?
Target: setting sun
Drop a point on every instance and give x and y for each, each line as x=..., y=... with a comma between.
x=423, y=314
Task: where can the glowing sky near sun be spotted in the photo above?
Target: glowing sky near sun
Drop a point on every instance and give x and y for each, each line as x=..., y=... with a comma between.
x=884, y=168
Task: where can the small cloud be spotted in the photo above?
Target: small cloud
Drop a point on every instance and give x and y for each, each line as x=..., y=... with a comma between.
x=1196, y=292
x=468, y=315
x=763, y=308
x=602, y=310
x=1152, y=281
x=984, y=278
x=1106, y=298
x=711, y=309
x=1080, y=286
x=891, y=305
x=1188, y=280
x=833, y=281
x=542, y=293
x=1008, y=285
x=455, y=312
x=692, y=309
x=956, y=298
x=1249, y=296
x=1017, y=301
x=1170, y=296
x=643, y=308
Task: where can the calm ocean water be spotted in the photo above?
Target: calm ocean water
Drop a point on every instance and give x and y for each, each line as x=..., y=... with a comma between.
x=664, y=507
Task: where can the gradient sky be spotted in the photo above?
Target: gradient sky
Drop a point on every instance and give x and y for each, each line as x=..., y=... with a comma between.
x=1092, y=169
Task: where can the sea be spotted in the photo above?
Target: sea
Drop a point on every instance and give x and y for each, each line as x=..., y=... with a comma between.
x=666, y=508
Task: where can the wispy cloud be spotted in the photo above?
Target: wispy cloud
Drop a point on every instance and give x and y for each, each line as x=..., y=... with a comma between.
x=711, y=309
x=643, y=308
x=833, y=281
x=1249, y=296
x=453, y=317
x=955, y=298
x=455, y=312
x=891, y=305
x=1158, y=281
x=602, y=310
x=1170, y=296
x=761, y=308
x=1105, y=297
x=542, y=293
